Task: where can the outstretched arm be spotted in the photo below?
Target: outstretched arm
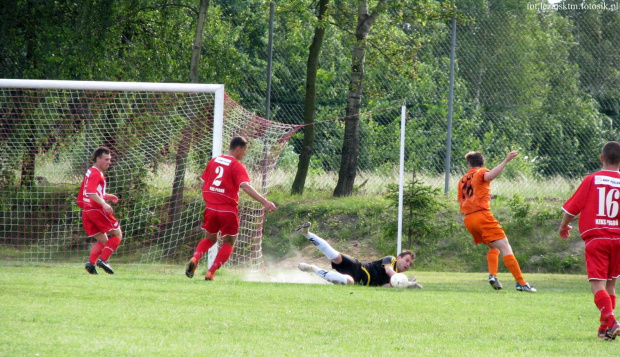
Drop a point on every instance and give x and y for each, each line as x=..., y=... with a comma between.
x=247, y=188
x=497, y=170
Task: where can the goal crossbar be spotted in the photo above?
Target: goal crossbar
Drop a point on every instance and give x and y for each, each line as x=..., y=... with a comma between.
x=161, y=135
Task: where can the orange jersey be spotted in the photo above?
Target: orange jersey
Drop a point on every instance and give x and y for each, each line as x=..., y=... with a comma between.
x=474, y=193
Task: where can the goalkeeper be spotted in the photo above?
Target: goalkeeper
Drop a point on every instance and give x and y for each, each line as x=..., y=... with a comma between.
x=351, y=271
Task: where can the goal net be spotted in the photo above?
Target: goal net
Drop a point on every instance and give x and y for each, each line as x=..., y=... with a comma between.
x=160, y=136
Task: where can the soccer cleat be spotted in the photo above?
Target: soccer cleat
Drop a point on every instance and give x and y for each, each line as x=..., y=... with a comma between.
x=303, y=228
x=527, y=288
x=494, y=281
x=613, y=331
x=602, y=333
x=210, y=276
x=105, y=266
x=191, y=268
x=90, y=268
x=306, y=267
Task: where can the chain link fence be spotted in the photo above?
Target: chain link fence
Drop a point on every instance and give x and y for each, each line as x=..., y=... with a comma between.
x=546, y=83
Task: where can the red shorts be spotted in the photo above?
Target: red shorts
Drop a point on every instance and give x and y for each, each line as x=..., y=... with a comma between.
x=98, y=221
x=603, y=258
x=484, y=227
x=223, y=220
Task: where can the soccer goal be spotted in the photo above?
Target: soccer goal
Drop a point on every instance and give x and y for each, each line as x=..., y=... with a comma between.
x=160, y=135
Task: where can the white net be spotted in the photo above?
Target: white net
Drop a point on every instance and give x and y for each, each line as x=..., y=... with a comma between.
x=160, y=142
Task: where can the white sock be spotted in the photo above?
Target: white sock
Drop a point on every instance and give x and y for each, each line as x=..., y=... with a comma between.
x=323, y=246
x=331, y=276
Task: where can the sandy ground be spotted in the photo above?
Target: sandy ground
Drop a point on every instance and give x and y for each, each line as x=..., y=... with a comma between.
x=285, y=270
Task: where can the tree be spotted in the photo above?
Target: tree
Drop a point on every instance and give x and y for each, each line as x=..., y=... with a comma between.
x=180, y=164
x=310, y=99
x=350, y=146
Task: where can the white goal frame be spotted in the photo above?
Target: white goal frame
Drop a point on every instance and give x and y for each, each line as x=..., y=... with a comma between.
x=216, y=89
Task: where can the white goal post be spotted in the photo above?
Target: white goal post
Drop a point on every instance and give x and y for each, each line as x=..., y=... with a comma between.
x=161, y=136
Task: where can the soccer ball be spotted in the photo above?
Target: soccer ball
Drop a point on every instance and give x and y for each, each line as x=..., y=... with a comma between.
x=399, y=281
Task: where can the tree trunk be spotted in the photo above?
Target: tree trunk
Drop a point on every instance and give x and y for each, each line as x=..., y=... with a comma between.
x=350, y=145
x=180, y=161
x=310, y=102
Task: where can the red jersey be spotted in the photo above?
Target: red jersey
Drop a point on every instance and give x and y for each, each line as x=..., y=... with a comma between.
x=221, y=181
x=94, y=182
x=597, y=202
x=474, y=193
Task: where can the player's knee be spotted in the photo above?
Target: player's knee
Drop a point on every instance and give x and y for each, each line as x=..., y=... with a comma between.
x=117, y=233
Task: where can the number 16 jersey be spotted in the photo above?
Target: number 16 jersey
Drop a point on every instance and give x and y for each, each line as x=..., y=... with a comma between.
x=597, y=202
x=221, y=181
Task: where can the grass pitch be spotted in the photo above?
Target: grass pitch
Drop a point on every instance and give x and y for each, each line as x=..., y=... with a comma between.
x=54, y=310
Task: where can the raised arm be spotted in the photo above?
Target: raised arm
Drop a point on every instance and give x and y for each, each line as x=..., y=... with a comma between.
x=497, y=170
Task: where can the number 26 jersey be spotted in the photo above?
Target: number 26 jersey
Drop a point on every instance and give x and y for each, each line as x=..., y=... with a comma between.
x=221, y=181
x=597, y=202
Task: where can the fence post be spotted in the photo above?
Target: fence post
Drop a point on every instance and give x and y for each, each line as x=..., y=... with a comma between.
x=450, y=101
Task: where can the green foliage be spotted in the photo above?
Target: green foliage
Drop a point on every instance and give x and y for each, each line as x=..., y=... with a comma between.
x=423, y=224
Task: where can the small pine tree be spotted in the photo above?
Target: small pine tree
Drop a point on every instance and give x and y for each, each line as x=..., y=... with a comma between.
x=422, y=222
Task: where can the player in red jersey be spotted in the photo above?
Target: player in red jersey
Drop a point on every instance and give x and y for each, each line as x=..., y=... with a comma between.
x=97, y=215
x=597, y=202
x=222, y=179
x=474, y=195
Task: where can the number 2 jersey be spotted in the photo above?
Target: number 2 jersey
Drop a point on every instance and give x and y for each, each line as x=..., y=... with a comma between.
x=597, y=202
x=221, y=181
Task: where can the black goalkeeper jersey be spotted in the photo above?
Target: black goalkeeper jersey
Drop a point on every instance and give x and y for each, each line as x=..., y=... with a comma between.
x=373, y=273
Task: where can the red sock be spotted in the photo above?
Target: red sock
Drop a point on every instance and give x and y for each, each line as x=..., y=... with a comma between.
x=222, y=257
x=603, y=302
x=202, y=247
x=613, y=301
x=110, y=247
x=94, y=252
x=493, y=261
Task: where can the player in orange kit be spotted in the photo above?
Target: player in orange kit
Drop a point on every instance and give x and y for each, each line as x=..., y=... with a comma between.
x=474, y=195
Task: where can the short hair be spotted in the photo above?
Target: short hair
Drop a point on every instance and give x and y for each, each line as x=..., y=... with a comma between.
x=475, y=159
x=238, y=141
x=407, y=252
x=100, y=152
x=611, y=153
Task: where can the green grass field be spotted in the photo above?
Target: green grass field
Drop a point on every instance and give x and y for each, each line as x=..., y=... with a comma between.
x=53, y=310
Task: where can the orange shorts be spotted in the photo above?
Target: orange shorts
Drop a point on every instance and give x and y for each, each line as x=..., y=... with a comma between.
x=603, y=258
x=223, y=220
x=98, y=221
x=484, y=227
